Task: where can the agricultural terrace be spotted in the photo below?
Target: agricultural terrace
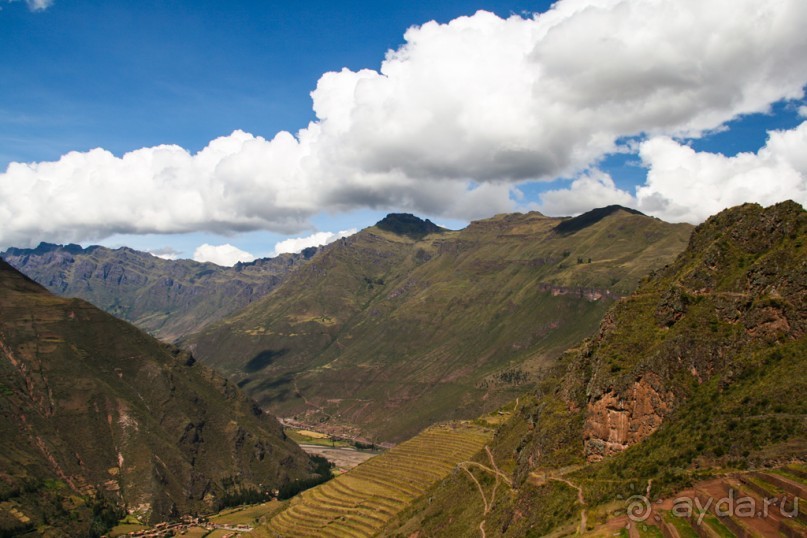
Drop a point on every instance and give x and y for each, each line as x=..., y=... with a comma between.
x=360, y=502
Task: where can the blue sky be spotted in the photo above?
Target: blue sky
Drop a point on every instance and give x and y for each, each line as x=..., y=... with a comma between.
x=122, y=76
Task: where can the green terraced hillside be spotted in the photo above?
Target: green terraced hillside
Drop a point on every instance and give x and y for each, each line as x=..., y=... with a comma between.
x=361, y=502
x=739, y=504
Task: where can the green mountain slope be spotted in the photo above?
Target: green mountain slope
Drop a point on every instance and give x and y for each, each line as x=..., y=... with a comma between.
x=167, y=298
x=97, y=416
x=701, y=371
x=405, y=324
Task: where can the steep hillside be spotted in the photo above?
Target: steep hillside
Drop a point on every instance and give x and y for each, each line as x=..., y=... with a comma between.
x=97, y=416
x=405, y=324
x=699, y=372
x=167, y=298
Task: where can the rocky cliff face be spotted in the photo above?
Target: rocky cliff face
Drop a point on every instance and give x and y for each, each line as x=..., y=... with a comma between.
x=96, y=411
x=740, y=285
x=167, y=298
x=617, y=420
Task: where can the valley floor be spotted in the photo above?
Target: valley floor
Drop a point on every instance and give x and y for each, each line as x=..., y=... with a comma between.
x=342, y=458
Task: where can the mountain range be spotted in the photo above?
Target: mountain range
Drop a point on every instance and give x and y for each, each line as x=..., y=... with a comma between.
x=167, y=298
x=382, y=333
x=615, y=355
x=405, y=323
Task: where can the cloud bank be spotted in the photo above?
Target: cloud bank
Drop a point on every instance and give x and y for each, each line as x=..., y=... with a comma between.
x=166, y=253
x=297, y=244
x=592, y=189
x=453, y=121
x=684, y=185
x=226, y=255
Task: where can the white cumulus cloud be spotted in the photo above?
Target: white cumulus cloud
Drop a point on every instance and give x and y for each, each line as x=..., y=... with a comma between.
x=166, y=253
x=225, y=255
x=448, y=125
x=518, y=99
x=297, y=244
x=684, y=185
x=592, y=189
x=687, y=185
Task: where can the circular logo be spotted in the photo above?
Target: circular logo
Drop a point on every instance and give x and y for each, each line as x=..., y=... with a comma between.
x=638, y=508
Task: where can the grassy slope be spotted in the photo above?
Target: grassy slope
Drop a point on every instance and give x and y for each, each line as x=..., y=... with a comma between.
x=91, y=407
x=743, y=332
x=388, y=333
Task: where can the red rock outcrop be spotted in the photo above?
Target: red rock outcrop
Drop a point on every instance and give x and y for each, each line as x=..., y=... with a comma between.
x=616, y=421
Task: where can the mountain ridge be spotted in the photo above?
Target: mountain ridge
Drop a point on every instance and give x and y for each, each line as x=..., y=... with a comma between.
x=438, y=327
x=100, y=417
x=167, y=298
x=698, y=373
x=575, y=224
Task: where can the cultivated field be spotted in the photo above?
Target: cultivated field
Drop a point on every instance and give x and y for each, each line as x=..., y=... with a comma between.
x=750, y=504
x=360, y=502
x=343, y=459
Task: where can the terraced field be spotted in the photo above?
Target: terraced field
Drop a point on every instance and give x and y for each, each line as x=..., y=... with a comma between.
x=360, y=502
x=750, y=504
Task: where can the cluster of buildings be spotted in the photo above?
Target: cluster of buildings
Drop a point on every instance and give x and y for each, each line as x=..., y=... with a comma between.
x=186, y=523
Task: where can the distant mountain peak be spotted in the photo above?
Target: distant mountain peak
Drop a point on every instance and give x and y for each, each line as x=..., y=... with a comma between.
x=46, y=248
x=588, y=218
x=408, y=225
x=167, y=298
